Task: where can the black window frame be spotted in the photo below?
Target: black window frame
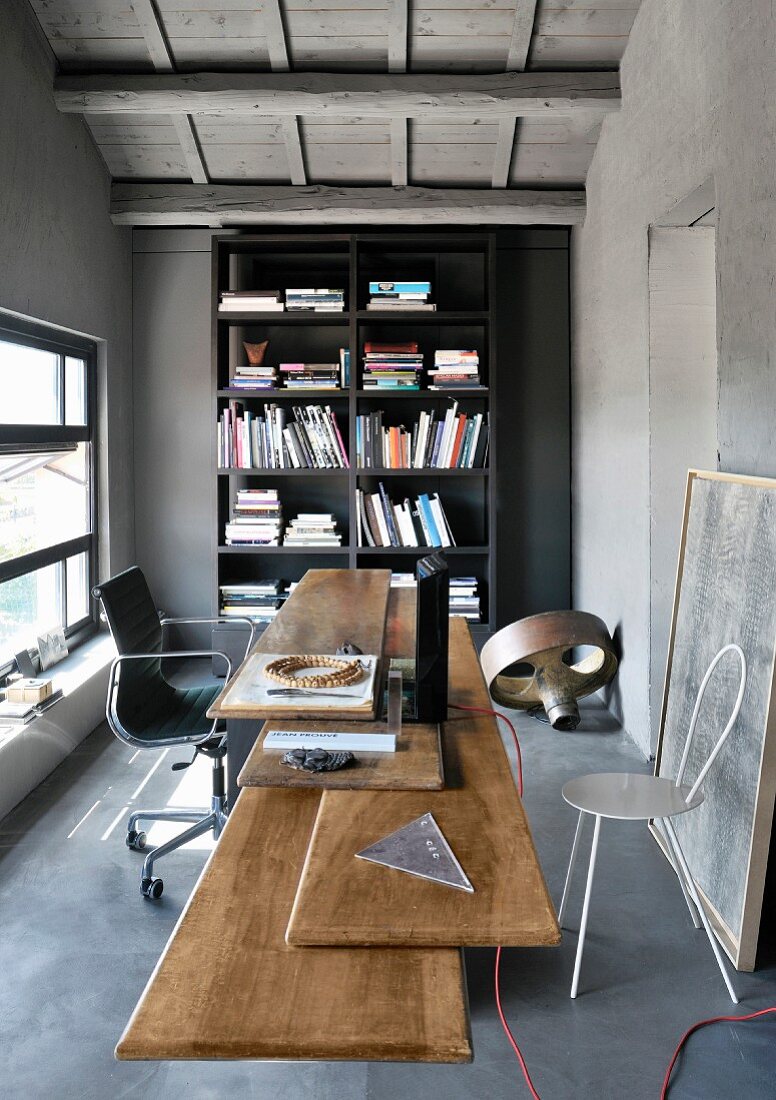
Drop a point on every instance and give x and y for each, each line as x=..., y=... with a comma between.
x=19, y=438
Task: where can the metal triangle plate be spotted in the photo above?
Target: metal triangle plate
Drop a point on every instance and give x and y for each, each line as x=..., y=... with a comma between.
x=419, y=849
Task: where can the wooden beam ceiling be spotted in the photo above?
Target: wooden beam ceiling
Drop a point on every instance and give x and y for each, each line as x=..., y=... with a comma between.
x=161, y=56
x=148, y=204
x=342, y=95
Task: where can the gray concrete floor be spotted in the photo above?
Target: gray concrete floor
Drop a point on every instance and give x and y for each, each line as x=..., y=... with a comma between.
x=78, y=944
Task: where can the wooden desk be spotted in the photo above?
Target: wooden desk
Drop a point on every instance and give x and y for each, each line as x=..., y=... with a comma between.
x=228, y=986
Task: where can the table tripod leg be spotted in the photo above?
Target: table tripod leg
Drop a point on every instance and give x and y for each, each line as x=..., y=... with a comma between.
x=570, y=871
x=586, y=906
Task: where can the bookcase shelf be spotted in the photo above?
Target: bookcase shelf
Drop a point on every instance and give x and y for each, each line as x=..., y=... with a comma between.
x=238, y=471
x=461, y=269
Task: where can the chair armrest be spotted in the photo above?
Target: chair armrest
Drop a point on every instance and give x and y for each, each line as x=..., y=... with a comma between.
x=124, y=734
x=220, y=619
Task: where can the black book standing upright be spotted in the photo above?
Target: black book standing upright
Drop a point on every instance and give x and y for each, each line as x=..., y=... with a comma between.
x=432, y=632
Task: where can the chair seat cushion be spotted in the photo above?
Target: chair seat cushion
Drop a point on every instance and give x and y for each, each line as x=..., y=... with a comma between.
x=171, y=712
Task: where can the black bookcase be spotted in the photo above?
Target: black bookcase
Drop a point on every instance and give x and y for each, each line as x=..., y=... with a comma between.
x=461, y=268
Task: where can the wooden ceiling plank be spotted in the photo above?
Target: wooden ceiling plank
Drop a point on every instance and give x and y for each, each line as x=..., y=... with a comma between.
x=293, y=140
x=151, y=204
x=502, y=160
x=399, y=152
x=276, y=36
x=398, y=22
x=408, y=95
x=522, y=30
x=159, y=51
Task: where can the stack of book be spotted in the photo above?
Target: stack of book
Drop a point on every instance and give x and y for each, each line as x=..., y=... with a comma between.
x=464, y=600
x=403, y=580
x=250, y=301
x=258, y=519
x=419, y=522
x=312, y=440
x=315, y=300
x=311, y=376
x=256, y=600
x=454, y=441
x=253, y=378
x=392, y=366
x=313, y=529
x=390, y=295
x=455, y=370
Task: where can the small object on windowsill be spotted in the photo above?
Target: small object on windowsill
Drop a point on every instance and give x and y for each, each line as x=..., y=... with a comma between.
x=52, y=647
x=28, y=690
x=317, y=760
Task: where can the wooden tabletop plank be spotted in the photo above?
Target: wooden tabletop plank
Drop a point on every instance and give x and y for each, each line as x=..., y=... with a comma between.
x=327, y=608
x=344, y=900
x=227, y=986
x=415, y=766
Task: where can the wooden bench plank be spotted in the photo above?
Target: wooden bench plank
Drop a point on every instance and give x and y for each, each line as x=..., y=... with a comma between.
x=415, y=766
x=328, y=607
x=227, y=986
x=344, y=900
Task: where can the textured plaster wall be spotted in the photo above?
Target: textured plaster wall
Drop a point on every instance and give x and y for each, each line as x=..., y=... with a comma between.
x=61, y=259
x=699, y=100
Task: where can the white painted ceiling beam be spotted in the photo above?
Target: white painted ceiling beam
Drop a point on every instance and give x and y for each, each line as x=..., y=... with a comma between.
x=151, y=204
x=407, y=95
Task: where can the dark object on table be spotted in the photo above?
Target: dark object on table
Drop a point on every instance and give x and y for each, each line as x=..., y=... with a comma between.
x=316, y=760
x=432, y=630
x=348, y=649
x=547, y=643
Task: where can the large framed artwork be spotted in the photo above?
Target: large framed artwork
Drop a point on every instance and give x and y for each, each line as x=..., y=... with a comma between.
x=726, y=592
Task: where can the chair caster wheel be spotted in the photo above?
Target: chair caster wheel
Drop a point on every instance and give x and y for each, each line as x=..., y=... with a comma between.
x=151, y=888
x=136, y=841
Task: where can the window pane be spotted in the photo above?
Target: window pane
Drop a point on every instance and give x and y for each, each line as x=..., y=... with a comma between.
x=44, y=499
x=28, y=606
x=29, y=383
x=77, y=588
x=75, y=391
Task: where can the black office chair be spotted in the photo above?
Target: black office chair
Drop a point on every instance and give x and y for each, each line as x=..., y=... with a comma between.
x=146, y=711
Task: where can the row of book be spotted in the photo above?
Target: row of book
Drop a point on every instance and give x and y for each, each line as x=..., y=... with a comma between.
x=455, y=369
x=399, y=296
x=297, y=299
x=311, y=441
x=396, y=366
x=294, y=376
x=256, y=600
x=453, y=441
x=464, y=594
x=258, y=521
x=412, y=522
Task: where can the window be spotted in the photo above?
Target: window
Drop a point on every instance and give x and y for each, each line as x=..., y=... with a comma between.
x=47, y=504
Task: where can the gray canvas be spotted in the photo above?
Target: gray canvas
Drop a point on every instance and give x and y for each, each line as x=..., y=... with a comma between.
x=728, y=594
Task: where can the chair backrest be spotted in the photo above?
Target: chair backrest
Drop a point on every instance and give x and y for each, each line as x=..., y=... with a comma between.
x=732, y=648
x=134, y=624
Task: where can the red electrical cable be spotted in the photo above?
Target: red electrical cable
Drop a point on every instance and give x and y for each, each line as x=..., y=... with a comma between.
x=497, y=969
x=695, y=1027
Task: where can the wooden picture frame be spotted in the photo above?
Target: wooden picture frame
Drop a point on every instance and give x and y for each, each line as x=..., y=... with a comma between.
x=726, y=592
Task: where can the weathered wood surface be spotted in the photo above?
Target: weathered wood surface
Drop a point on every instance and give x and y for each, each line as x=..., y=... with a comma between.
x=415, y=766
x=726, y=592
x=227, y=986
x=329, y=607
x=344, y=900
x=409, y=95
x=522, y=32
x=151, y=204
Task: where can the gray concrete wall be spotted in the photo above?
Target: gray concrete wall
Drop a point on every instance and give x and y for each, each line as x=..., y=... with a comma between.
x=61, y=259
x=62, y=262
x=174, y=421
x=699, y=100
